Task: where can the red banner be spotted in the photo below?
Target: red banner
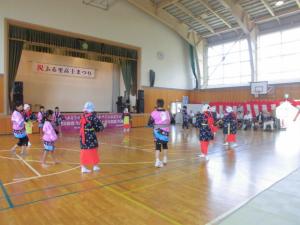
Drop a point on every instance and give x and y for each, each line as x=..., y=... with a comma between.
x=254, y=106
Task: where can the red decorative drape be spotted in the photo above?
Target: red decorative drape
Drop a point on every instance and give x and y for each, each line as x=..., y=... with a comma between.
x=254, y=106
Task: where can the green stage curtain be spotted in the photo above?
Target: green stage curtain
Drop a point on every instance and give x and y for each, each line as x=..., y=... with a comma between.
x=133, y=77
x=126, y=68
x=193, y=64
x=53, y=40
x=64, y=45
x=15, y=52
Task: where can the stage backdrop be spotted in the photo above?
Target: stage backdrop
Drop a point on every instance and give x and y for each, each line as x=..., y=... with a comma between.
x=68, y=91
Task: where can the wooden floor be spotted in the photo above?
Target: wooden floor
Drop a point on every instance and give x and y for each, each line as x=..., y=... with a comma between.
x=129, y=190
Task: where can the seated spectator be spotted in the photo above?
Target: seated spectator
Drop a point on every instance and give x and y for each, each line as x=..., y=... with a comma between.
x=260, y=119
x=220, y=117
x=268, y=121
x=247, y=121
x=192, y=118
x=239, y=116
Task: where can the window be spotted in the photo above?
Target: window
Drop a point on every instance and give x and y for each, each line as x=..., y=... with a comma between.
x=229, y=64
x=279, y=55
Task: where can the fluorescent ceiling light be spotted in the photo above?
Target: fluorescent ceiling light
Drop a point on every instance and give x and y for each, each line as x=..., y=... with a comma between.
x=279, y=3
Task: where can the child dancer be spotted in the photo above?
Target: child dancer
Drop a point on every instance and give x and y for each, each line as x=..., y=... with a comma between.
x=29, y=117
x=58, y=118
x=203, y=122
x=49, y=138
x=126, y=120
x=19, y=131
x=40, y=118
x=214, y=120
x=185, y=118
x=160, y=120
x=89, y=125
x=230, y=127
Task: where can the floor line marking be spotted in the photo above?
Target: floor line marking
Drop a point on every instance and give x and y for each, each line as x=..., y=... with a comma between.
x=89, y=189
x=6, y=195
x=140, y=204
x=29, y=166
x=161, y=182
x=42, y=176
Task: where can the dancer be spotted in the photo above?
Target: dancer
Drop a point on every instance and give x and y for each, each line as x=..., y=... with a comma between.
x=29, y=118
x=160, y=121
x=185, y=118
x=230, y=127
x=18, y=124
x=58, y=118
x=213, y=121
x=204, y=124
x=126, y=120
x=49, y=138
x=89, y=125
x=40, y=118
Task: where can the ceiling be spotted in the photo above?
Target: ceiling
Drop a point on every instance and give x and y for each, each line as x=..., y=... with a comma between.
x=213, y=18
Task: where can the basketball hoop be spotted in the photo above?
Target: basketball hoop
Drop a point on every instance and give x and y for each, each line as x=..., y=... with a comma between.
x=259, y=88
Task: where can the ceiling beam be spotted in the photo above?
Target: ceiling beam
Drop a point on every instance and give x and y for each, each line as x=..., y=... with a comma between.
x=218, y=15
x=240, y=15
x=165, y=3
x=198, y=19
x=268, y=7
x=103, y=4
x=180, y=28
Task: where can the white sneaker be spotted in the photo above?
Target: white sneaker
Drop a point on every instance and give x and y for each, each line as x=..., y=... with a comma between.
x=165, y=160
x=226, y=143
x=159, y=164
x=85, y=170
x=96, y=168
x=44, y=165
x=201, y=155
x=29, y=144
x=234, y=145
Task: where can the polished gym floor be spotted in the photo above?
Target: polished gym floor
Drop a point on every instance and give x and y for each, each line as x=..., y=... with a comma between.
x=130, y=190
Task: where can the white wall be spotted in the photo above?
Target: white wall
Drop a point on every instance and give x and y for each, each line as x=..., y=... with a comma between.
x=121, y=23
x=69, y=93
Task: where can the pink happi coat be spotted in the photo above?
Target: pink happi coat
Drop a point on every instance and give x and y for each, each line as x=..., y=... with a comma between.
x=18, y=122
x=49, y=132
x=161, y=119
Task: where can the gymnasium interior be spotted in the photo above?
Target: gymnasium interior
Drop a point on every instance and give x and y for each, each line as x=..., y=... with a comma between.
x=126, y=54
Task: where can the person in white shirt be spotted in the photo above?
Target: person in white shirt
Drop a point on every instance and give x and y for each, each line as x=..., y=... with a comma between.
x=247, y=120
x=268, y=121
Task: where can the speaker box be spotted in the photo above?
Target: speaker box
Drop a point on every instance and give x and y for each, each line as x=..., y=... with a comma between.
x=18, y=87
x=140, y=105
x=152, y=78
x=120, y=98
x=18, y=98
x=140, y=94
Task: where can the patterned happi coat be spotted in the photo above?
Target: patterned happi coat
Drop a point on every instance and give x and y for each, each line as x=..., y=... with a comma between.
x=230, y=123
x=185, y=116
x=89, y=125
x=205, y=132
x=58, y=118
x=29, y=116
